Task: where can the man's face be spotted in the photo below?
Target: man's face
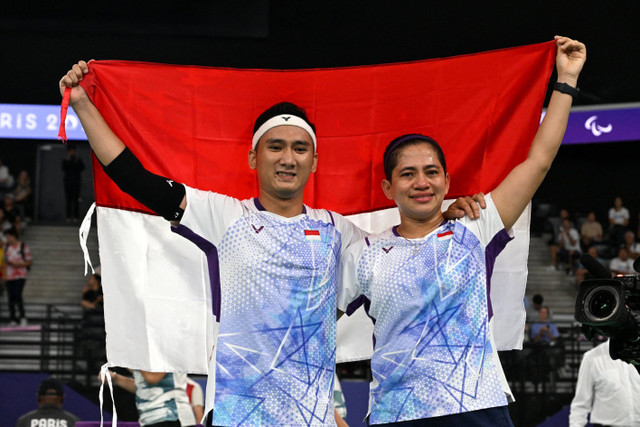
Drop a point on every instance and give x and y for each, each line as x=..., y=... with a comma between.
x=622, y=254
x=284, y=158
x=93, y=283
x=544, y=314
x=418, y=182
x=617, y=202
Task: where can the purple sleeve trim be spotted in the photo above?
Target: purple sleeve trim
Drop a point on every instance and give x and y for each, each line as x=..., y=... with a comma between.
x=493, y=249
x=211, y=253
x=333, y=222
x=356, y=303
x=366, y=239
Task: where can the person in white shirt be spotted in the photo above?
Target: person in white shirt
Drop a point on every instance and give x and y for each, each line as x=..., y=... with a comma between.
x=618, y=222
x=568, y=246
x=607, y=389
x=622, y=264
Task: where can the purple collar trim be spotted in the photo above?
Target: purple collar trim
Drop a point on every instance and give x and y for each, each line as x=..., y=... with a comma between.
x=394, y=229
x=259, y=206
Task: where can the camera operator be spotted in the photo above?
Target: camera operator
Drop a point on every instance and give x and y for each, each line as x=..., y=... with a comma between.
x=608, y=389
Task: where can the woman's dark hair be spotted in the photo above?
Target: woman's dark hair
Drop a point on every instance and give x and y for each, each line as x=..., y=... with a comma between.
x=395, y=147
x=279, y=109
x=12, y=231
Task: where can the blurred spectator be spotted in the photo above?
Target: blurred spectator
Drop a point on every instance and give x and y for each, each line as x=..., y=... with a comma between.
x=6, y=180
x=90, y=336
x=22, y=193
x=17, y=259
x=339, y=404
x=630, y=244
x=4, y=225
x=591, y=231
x=12, y=213
x=196, y=399
x=568, y=247
x=607, y=389
x=618, y=222
x=638, y=231
x=534, y=308
x=544, y=332
x=161, y=398
x=49, y=412
x=582, y=273
x=622, y=264
x=92, y=296
x=72, y=168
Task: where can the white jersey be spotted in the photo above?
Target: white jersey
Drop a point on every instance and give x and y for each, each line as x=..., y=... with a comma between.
x=165, y=401
x=433, y=351
x=273, y=286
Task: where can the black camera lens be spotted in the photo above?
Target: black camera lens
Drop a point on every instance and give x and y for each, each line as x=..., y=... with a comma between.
x=601, y=304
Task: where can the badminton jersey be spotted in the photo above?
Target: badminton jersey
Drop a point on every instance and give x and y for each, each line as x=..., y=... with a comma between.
x=428, y=297
x=273, y=284
x=164, y=401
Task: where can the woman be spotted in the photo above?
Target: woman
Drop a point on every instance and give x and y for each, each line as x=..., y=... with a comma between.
x=426, y=279
x=17, y=259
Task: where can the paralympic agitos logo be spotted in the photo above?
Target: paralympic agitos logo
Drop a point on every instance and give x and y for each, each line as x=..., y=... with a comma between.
x=595, y=128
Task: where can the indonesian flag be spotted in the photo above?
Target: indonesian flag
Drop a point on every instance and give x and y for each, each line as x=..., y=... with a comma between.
x=194, y=125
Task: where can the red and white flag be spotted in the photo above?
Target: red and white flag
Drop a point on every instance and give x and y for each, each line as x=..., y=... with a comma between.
x=194, y=125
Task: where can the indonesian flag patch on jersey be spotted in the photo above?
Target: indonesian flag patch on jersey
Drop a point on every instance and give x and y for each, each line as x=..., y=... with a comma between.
x=312, y=235
x=446, y=235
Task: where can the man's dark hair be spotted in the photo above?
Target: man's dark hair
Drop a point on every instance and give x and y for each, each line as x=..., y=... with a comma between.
x=395, y=147
x=279, y=109
x=51, y=387
x=537, y=299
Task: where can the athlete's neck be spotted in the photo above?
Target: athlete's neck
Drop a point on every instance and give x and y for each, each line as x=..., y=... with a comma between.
x=410, y=228
x=287, y=208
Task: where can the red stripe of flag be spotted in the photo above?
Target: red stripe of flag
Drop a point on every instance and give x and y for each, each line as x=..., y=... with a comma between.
x=194, y=124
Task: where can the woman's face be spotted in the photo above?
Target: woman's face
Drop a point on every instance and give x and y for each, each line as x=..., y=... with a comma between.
x=418, y=182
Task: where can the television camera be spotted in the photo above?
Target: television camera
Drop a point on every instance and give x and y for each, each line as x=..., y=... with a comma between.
x=610, y=306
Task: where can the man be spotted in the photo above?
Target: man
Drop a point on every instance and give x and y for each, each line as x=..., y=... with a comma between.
x=607, y=389
x=49, y=412
x=72, y=167
x=544, y=332
x=272, y=262
x=591, y=231
x=161, y=398
x=622, y=264
x=568, y=246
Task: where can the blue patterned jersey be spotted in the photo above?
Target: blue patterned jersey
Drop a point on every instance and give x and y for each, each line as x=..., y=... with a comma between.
x=273, y=284
x=428, y=297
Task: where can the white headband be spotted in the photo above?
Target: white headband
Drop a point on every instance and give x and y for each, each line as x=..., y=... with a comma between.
x=283, y=120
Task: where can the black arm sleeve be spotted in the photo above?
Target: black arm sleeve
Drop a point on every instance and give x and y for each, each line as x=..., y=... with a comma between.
x=158, y=193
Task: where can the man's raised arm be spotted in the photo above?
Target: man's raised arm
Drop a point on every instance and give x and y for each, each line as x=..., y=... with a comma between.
x=159, y=194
